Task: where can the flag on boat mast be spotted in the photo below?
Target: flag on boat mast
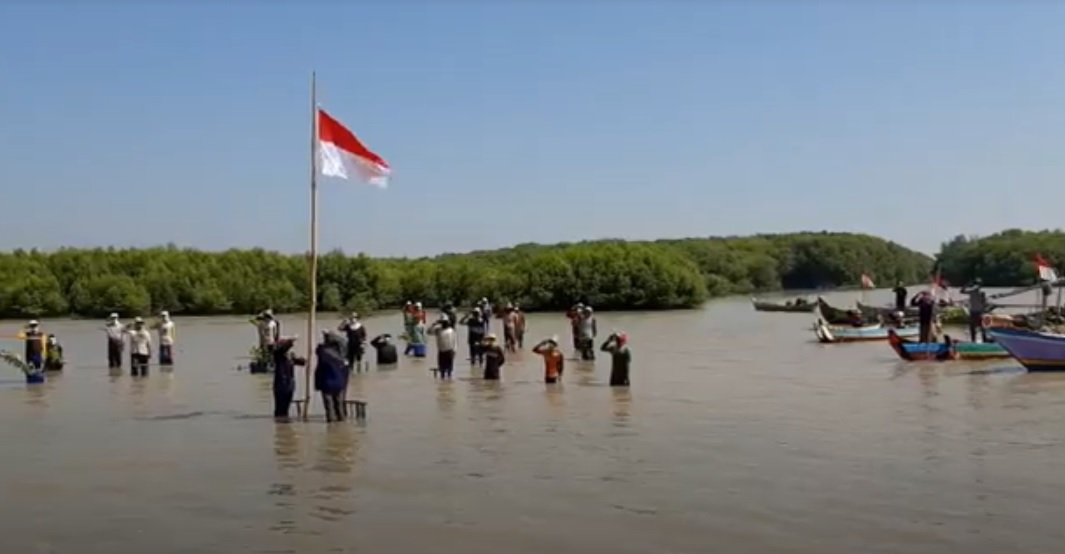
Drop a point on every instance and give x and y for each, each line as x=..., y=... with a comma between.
x=1046, y=271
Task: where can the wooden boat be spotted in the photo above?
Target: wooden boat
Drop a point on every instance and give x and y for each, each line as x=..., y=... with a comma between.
x=830, y=334
x=1035, y=350
x=948, y=315
x=835, y=316
x=789, y=306
x=911, y=350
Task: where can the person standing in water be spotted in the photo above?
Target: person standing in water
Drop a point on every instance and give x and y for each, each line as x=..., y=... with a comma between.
x=386, y=350
x=140, y=348
x=494, y=358
x=977, y=308
x=115, y=332
x=355, y=333
x=446, y=344
x=448, y=312
x=35, y=344
x=519, y=327
x=475, y=331
x=588, y=331
x=268, y=330
x=167, y=334
x=574, y=315
x=926, y=310
x=900, y=297
x=53, y=354
x=617, y=345
x=510, y=333
x=331, y=376
x=284, y=386
x=486, y=313
x=554, y=361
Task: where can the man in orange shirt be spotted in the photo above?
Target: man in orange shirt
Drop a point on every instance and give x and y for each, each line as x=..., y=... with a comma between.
x=554, y=361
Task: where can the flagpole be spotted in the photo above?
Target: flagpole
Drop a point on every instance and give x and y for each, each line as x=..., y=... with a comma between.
x=314, y=250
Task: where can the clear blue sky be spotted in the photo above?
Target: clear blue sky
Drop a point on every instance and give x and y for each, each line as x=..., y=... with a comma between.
x=514, y=121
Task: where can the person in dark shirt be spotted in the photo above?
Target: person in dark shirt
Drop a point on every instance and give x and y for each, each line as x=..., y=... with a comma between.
x=355, y=333
x=284, y=385
x=331, y=375
x=977, y=308
x=386, y=350
x=926, y=310
x=900, y=297
x=476, y=327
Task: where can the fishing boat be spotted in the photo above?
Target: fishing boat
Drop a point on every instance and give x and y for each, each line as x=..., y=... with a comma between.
x=836, y=316
x=798, y=306
x=911, y=350
x=830, y=334
x=1035, y=350
x=948, y=314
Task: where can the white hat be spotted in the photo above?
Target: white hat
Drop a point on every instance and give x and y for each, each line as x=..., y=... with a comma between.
x=164, y=313
x=113, y=316
x=33, y=323
x=138, y=320
x=418, y=304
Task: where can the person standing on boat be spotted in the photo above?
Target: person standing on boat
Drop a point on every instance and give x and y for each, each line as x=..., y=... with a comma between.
x=355, y=333
x=494, y=358
x=331, y=376
x=977, y=308
x=167, y=334
x=36, y=344
x=900, y=296
x=475, y=331
x=617, y=345
x=140, y=348
x=115, y=332
x=554, y=361
x=926, y=313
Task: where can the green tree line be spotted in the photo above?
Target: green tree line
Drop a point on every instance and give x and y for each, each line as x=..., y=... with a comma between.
x=608, y=274
x=1005, y=259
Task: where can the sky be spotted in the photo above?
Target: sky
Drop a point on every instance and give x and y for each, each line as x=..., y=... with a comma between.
x=510, y=121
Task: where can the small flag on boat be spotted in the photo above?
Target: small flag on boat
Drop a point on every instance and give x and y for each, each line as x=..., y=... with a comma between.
x=1046, y=271
x=342, y=154
x=867, y=282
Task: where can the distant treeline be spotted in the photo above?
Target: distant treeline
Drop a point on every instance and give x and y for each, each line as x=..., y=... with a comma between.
x=608, y=274
x=1004, y=259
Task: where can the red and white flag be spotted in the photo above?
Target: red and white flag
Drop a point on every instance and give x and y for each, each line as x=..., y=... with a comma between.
x=867, y=282
x=343, y=155
x=1046, y=272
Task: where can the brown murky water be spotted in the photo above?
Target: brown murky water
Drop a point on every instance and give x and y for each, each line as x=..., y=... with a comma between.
x=739, y=435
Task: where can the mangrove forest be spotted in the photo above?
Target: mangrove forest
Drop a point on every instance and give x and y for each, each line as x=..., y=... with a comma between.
x=608, y=274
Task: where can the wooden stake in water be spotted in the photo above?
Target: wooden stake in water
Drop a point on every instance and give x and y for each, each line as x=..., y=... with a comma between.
x=314, y=251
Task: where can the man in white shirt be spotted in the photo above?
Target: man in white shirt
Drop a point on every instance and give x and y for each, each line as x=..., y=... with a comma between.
x=116, y=335
x=140, y=348
x=446, y=343
x=167, y=333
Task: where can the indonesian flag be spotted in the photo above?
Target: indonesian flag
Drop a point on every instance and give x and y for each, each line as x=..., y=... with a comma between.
x=867, y=282
x=343, y=155
x=1046, y=272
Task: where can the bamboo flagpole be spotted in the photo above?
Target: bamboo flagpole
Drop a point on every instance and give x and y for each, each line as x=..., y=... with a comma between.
x=335, y=152
x=311, y=311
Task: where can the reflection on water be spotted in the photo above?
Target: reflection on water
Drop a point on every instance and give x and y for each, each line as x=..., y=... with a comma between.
x=737, y=436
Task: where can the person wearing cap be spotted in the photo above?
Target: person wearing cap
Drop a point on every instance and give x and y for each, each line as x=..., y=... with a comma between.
x=494, y=358
x=587, y=330
x=36, y=344
x=331, y=375
x=617, y=345
x=140, y=348
x=167, y=334
x=386, y=350
x=415, y=336
x=446, y=344
x=268, y=331
x=53, y=354
x=284, y=385
x=355, y=333
x=115, y=332
x=554, y=361
x=487, y=313
x=574, y=316
x=977, y=308
x=475, y=330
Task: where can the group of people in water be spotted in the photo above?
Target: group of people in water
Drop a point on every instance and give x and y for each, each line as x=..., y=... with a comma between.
x=341, y=351
x=43, y=352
